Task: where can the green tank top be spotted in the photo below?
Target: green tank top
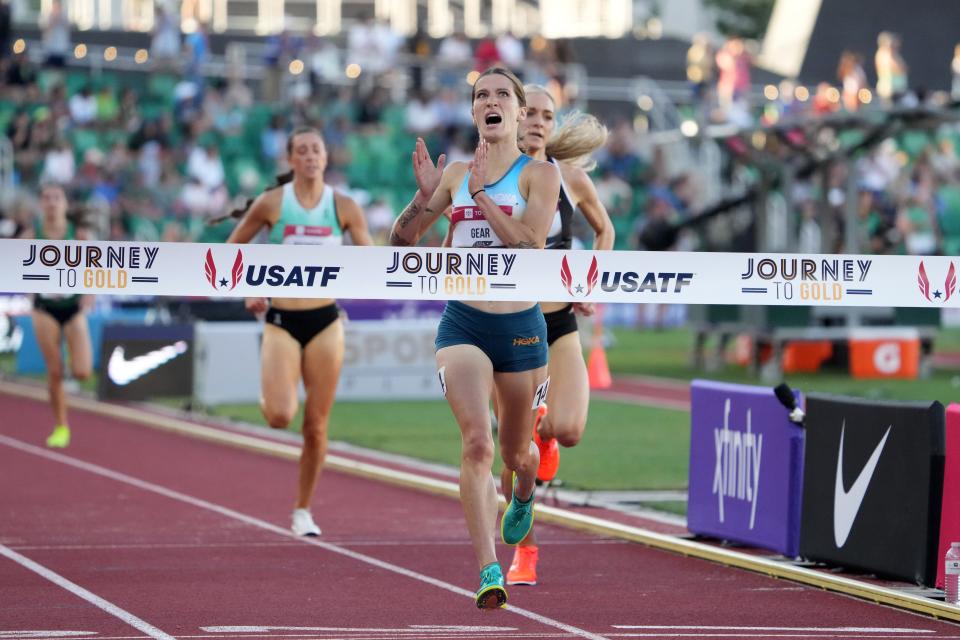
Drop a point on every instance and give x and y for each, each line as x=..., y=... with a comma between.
x=56, y=299
x=298, y=225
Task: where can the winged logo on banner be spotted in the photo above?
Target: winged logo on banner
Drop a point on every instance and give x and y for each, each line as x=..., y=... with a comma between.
x=566, y=277
x=949, y=285
x=210, y=269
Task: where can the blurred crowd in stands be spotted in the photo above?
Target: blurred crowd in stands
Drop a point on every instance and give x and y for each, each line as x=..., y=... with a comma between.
x=154, y=155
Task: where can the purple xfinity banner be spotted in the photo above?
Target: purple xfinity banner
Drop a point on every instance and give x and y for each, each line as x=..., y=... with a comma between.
x=746, y=467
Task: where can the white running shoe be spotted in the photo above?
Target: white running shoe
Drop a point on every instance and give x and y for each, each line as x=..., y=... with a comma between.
x=303, y=524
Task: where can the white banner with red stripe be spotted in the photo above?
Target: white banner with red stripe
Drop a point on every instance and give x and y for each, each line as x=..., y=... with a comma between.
x=301, y=271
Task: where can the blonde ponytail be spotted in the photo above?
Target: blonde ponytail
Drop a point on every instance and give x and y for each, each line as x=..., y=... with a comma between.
x=577, y=136
x=575, y=140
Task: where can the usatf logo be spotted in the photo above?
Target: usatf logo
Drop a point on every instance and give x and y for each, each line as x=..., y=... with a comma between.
x=526, y=342
x=626, y=281
x=274, y=275
x=89, y=266
x=566, y=278
x=469, y=274
x=236, y=273
x=949, y=285
x=820, y=280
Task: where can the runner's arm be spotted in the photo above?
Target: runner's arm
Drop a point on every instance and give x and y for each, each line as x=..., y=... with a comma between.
x=352, y=220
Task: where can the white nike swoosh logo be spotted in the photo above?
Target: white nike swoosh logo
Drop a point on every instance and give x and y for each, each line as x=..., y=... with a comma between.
x=122, y=371
x=846, y=504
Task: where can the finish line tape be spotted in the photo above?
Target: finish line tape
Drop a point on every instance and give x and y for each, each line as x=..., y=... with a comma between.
x=412, y=273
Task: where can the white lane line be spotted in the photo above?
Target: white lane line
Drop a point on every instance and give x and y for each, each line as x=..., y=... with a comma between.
x=47, y=635
x=416, y=628
x=734, y=628
x=263, y=524
x=654, y=634
x=89, y=596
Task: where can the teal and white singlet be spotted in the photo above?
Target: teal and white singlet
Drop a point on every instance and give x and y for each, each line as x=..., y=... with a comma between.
x=470, y=226
x=298, y=225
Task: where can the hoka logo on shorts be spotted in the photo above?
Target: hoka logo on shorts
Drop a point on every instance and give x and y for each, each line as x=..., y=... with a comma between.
x=736, y=472
x=274, y=275
x=526, y=342
x=949, y=285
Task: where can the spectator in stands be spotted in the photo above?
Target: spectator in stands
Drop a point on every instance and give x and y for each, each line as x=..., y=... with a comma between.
x=56, y=35
x=83, y=107
x=204, y=164
x=278, y=50
x=273, y=140
x=733, y=65
x=420, y=49
x=58, y=163
x=852, y=78
x=5, y=20
x=486, y=55
x=326, y=67
x=826, y=99
x=370, y=116
x=197, y=53
x=917, y=224
x=165, y=41
x=380, y=218
x=453, y=59
x=420, y=116
x=619, y=157
x=59, y=106
x=891, y=69
x=510, y=50
x=700, y=67
x=955, y=68
x=20, y=78
x=108, y=107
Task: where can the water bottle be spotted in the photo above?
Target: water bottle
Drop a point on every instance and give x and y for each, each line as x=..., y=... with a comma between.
x=951, y=576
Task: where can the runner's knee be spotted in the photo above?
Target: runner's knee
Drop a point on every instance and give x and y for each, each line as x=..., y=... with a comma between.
x=478, y=448
x=279, y=415
x=81, y=373
x=567, y=432
x=515, y=459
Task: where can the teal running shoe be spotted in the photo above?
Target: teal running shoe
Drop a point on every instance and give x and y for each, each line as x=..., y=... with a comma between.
x=491, y=594
x=518, y=518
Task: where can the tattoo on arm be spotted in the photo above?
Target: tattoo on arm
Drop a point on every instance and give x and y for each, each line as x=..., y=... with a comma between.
x=408, y=215
x=397, y=241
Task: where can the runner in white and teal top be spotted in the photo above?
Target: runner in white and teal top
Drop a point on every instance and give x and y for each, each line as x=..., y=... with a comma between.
x=298, y=225
x=302, y=337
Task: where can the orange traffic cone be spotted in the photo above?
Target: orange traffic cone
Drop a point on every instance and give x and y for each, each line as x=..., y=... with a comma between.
x=598, y=372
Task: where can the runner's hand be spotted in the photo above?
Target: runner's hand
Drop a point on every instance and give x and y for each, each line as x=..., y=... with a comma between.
x=256, y=305
x=585, y=309
x=427, y=175
x=478, y=168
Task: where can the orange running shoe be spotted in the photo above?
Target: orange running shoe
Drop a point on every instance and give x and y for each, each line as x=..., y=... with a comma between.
x=549, y=450
x=523, y=569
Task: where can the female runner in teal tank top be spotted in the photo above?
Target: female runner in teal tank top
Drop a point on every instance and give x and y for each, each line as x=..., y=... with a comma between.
x=60, y=318
x=302, y=337
x=500, y=199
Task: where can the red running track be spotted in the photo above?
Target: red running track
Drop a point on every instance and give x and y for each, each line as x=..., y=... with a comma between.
x=187, y=539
